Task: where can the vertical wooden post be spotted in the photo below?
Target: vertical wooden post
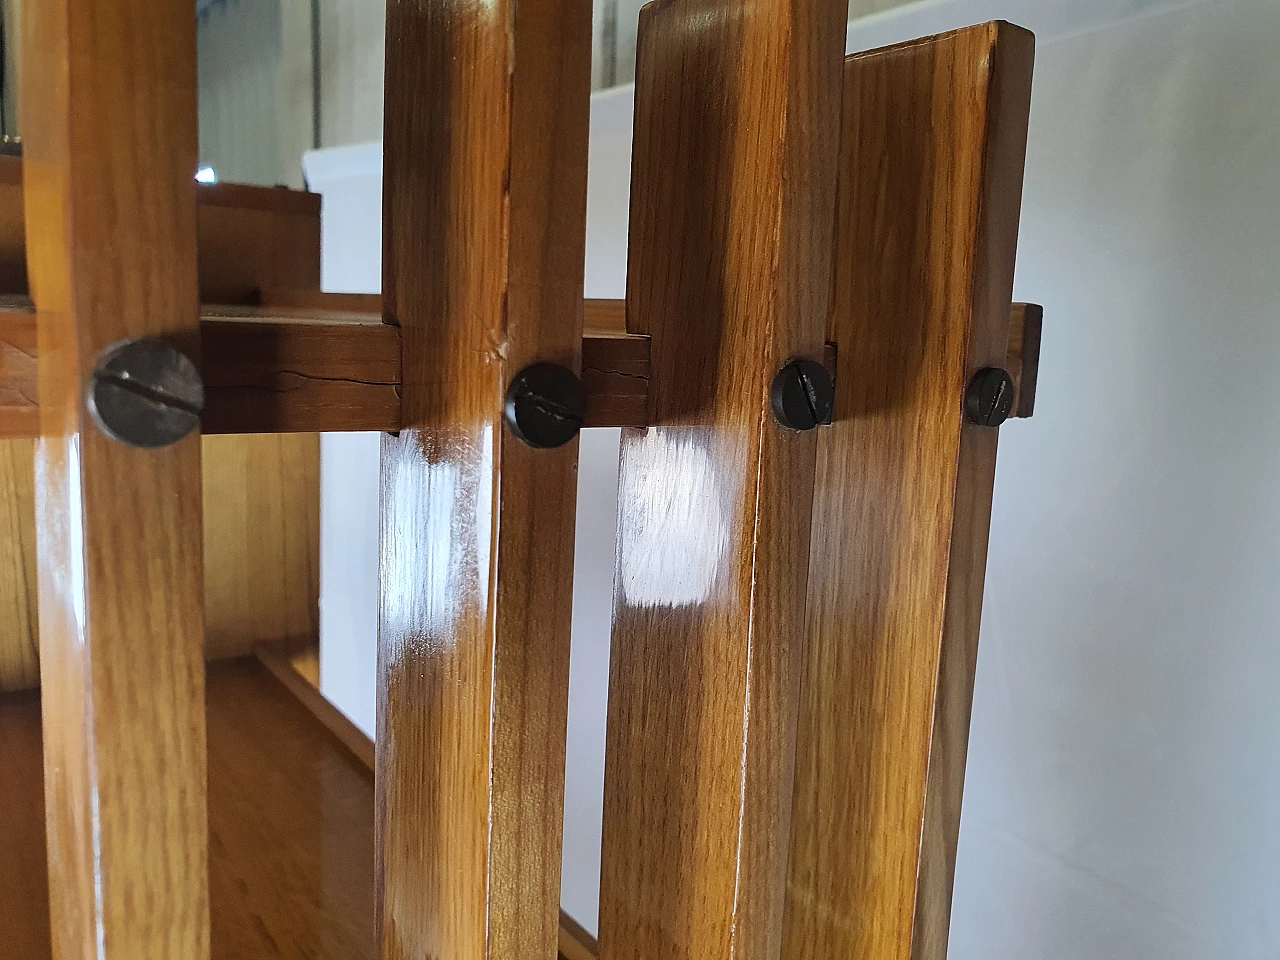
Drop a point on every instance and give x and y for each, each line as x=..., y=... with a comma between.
x=110, y=138
x=733, y=182
x=931, y=167
x=484, y=229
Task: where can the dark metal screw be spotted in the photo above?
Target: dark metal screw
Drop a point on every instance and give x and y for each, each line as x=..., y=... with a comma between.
x=989, y=399
x=145, y=393
x=802, y=395
x=545, y=405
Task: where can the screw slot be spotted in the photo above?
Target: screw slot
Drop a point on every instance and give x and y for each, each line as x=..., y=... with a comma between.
x=989, y=399
x=802, y=395
x=545, y=405
x=145, y=393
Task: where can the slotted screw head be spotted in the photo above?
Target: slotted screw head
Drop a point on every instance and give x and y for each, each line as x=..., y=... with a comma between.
x=989, y=399
x=145, y=393
x=545, y=405
x=802, y=395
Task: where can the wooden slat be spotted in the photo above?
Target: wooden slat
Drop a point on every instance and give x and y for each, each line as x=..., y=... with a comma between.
x=733, y=183
x=110, y=137
x=250, y=238
x=934, y=139
x=484, y=213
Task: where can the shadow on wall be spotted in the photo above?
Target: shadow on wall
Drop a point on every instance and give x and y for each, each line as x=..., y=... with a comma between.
x=1125, y=752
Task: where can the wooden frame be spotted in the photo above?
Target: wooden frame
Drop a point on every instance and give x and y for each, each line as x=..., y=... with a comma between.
x=778, y=697
x=306, y=363
x=927, y=224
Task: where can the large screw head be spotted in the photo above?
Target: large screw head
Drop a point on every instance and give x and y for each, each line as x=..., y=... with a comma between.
x=802, y=395
x=545, y=405
x=989, y=399
x=145, y=393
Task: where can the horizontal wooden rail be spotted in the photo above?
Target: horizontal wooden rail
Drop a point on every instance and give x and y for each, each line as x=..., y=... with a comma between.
x=315, y=362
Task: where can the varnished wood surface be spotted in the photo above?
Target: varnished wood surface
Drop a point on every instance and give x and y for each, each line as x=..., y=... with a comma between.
x=261, y=542
x=291, y=824
x=933, y=144
x=19, y=394
x=24, y=870
x=109, y=95
x=19, y=634
x=320, y=362
x=308, y=694
x=733, y=183
x=261, y=498
x=290, y=827
x=1025, y=327
x=268, y=373
x=307, y=362
x=575, y=942
x=484, y=214
x=261, y=549
x=250, y=238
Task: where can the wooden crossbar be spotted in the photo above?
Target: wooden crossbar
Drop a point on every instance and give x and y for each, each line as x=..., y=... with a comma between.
x=326, y=363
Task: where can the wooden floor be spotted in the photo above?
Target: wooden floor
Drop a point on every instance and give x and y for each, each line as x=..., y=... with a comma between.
x=290, y=823
x=290, y=827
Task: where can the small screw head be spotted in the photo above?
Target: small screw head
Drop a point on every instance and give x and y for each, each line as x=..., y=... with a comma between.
x=545, y=405
x=989, y=399
x=802, y=395
x=145, y=393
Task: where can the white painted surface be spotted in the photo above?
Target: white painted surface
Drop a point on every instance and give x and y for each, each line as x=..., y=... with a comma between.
x=1125, y=753
x=350, y=180
x=1123, y=793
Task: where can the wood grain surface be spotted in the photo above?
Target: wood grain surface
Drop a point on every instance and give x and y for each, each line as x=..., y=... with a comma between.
x=261, y=549
x=19, y=633
x=109, y=97
x=261, y=542
x=484, y=213
x=733, y=183
x=250, y=238
x=303, y=362
x=933, y=146
x=290, y=827
x=291, y=824
x=1025, y=327
x=266, y=371
x=306, y=361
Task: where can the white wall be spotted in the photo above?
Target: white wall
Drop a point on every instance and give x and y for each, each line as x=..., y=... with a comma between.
x=1125, y=756
x=1123, y=794
x=254, y=63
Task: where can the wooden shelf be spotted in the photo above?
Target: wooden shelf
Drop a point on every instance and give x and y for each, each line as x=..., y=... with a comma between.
x=290, y=823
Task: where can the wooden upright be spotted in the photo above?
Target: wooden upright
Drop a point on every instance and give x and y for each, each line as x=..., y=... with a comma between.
x=733, y=184
x=484, y=218
x=933, y=146
x=110, y=114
